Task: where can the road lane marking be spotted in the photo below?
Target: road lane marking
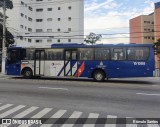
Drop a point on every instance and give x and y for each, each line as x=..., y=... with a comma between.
x=114, y=121
x=50, y=88
x=152, y=125
x=130, y=125
x=38, y=115
x=75, y=115
x=11, y=111
x=5, y=106
x=91, y=115
x=148, y=94
x=42, y=113
x=57, y=115
x=26, y=112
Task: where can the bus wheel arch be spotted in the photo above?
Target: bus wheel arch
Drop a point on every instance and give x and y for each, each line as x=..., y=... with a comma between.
x=27, y=72
x=99, y=75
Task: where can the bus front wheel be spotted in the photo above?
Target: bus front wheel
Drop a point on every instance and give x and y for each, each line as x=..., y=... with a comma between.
x=99, y=76
x=27, y=73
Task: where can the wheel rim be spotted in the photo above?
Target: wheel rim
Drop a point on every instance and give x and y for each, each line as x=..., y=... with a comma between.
x=28, y=73
x=98, y=76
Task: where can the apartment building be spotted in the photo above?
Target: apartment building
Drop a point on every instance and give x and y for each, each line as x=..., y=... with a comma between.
x=142, y=29
x=146, y=29
x=157, y=20
x=40, y=23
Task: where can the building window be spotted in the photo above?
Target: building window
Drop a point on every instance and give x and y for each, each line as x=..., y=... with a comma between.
x=69, y=18
x=69, y=40
x=69, y=7
x=39, y=20
x=49, y=19
x=22, y=3
x=21, y=38
x=26, y=16
x=39, y=30
x=38, y=41
x=58, y=40
x=22, y=26
x=30, y=8
x=59, y=8
x=22, y=15
x=49, y=41
x=148, y=22
x=59, y=19
x=39, y=9
x=39, y=0
x=30, y=29
x=49, y=30
x=69, y=29
x=30, y=40
x=58, y=29
x=30, y=19
x=49, y=9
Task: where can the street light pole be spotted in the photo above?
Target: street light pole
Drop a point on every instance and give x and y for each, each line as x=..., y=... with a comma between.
x=4, y=39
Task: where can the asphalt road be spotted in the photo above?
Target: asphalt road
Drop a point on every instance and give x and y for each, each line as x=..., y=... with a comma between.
x=138, y=98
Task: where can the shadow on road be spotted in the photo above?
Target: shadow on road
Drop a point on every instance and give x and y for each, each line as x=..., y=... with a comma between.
x=123, y=81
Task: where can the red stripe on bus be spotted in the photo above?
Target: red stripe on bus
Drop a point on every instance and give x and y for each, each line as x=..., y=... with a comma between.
x=80, y=70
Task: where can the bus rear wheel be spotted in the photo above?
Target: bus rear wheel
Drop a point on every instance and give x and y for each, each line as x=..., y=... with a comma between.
x=98, y=76
x=27, y=73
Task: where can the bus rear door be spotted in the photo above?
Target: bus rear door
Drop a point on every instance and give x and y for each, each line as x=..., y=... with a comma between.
x=70, y=62
x=39, y=63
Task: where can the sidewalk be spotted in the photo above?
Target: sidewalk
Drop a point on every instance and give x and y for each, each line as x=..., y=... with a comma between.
x=4, y=76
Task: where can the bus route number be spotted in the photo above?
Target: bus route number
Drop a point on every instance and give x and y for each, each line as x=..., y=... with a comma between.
x=139, y=63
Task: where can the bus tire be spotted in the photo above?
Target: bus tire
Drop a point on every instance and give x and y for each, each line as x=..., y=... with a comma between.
x=98, y=76
x=27, y=73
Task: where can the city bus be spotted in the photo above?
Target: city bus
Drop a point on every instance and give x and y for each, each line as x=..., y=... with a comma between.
x=99, y=61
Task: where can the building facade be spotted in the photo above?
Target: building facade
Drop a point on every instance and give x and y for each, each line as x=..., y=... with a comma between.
x=146, y=29
x=40, y=23
x=157, y=20
x=142, y=29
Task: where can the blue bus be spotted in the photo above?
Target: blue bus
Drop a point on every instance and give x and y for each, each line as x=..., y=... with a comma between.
x=100, y=61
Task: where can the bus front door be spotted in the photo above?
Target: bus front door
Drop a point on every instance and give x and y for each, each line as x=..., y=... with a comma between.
x=39, y=63
x=70, y=62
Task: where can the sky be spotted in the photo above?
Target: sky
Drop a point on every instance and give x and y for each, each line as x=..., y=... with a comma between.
x=112, y=17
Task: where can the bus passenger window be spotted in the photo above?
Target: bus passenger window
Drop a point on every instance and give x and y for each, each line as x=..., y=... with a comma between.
x=68, y=55
x=118, y=54
x=86, y=54
x=74, y=55
x=138, y=53
x=102, y=54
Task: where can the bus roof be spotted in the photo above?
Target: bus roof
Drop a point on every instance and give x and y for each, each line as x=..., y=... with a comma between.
x=76, y=45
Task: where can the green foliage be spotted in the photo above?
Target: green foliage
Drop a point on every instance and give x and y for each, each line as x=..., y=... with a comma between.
x=9, y=37
x=9, y=4
x=92, y=38
x=157, y=47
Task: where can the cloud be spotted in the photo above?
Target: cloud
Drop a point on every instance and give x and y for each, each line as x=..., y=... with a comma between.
x=110, y=16
x=108, y=4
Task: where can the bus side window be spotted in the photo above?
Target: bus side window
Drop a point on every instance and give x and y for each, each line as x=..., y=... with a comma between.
x=138, y=53
x=118, y=54
x=86, y=54
x=102, y=54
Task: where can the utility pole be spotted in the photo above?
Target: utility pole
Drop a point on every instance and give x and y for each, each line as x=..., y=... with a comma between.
x=4, y=39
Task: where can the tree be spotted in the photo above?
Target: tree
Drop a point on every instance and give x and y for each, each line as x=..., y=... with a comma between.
x=9, y=4
x=157, y=47
x=92, y=38
x=9, y=37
